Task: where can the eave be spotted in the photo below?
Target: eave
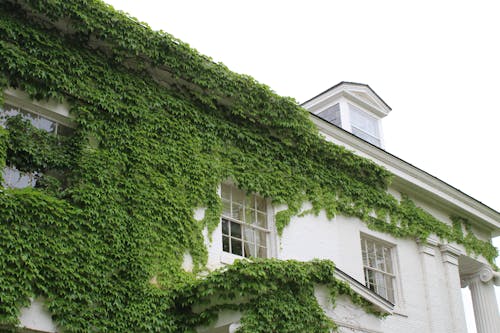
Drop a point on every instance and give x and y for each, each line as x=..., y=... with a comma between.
x=410, y=178
x=380, y=303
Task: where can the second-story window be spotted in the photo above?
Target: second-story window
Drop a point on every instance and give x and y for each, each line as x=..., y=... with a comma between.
x=378, y=267
x=245, y=229
x=12, y=177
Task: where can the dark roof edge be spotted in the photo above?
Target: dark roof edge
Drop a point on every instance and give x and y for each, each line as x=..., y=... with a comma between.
x=348, y=82
x=413, y=166
x=352, y=280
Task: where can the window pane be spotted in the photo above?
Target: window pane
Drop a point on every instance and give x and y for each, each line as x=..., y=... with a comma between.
x=7, y=112
x=236, y=247
x=249, y=234
x=226, y=207
x=32, y=118
x=46, y=125
x=262, y=220
x=388, y=260
x=14, y=178
x=249, y=250
x=225, y=227
x=261, y=238
x=225, y=244
x=370, y=279
x=380, y=258
x=225, y=191
x=250, y=201
x=235, y=230
x=238, y=196
x=250, y=217
x=237, y=212
x=262, y=252
x=261, y=204
x=371, y=259
x=390, y=288
x=365, y=258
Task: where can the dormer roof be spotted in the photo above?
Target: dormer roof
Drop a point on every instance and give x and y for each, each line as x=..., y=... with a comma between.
x=358, y=93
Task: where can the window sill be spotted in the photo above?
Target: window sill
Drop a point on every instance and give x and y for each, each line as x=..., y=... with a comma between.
x=229, y=258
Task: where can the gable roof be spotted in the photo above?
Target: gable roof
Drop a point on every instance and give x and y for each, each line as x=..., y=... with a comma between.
x=349, y=83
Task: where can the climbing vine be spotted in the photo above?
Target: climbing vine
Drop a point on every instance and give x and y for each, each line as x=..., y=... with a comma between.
x=158, y=127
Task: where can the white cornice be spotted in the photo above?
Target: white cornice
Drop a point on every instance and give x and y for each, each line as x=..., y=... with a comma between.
x=407, y=175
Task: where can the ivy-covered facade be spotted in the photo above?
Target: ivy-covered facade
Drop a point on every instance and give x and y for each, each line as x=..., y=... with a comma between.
x=101, y=234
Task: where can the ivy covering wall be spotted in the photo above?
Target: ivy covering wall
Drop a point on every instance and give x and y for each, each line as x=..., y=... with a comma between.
x=158, y=128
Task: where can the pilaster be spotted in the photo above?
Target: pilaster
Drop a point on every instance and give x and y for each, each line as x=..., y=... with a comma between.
x=449, y=256
x=427, y=251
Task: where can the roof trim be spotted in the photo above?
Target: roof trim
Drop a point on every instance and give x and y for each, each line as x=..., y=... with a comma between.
x=408, y=172
x=378, y=301
x=346, y=83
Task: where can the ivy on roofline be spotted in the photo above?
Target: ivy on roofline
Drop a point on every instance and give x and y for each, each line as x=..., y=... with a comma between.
x=104, y=246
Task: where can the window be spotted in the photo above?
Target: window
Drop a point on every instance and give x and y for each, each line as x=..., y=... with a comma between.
x=245, y=228
x=364, y=126
x=378, y=267
x=12, y=177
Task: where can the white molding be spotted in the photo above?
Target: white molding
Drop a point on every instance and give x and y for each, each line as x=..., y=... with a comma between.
x=349, y=90
x=51, y=109
x=406, y=175
x=450, y=254
x=341, y=323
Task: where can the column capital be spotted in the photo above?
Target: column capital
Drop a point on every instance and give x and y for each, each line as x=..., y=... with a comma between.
x=484, y=300
x=484, y=274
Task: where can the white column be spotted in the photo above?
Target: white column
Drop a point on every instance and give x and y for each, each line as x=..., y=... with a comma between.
x=449, y=256
x=484, y=302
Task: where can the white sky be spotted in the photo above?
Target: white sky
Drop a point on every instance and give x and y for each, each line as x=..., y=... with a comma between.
x=436, y=63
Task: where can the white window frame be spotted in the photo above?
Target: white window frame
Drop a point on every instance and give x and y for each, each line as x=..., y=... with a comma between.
x=228, y=257
x=50, y=110
x=379, y=272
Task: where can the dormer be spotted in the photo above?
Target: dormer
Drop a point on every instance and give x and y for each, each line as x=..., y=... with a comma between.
x=354, y=107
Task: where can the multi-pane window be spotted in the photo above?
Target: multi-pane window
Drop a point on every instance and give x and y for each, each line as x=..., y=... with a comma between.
x=364, y=126
x=12, y=177
x=378, y=267
x=245, y=229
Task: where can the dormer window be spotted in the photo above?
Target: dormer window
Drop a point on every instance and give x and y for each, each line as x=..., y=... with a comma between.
x=354, y=107
x=364, y=125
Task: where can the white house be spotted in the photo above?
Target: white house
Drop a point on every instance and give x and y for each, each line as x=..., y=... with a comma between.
x=420, y=282
x=415, y=282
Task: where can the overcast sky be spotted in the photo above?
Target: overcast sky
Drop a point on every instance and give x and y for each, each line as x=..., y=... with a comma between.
x=436, y=63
